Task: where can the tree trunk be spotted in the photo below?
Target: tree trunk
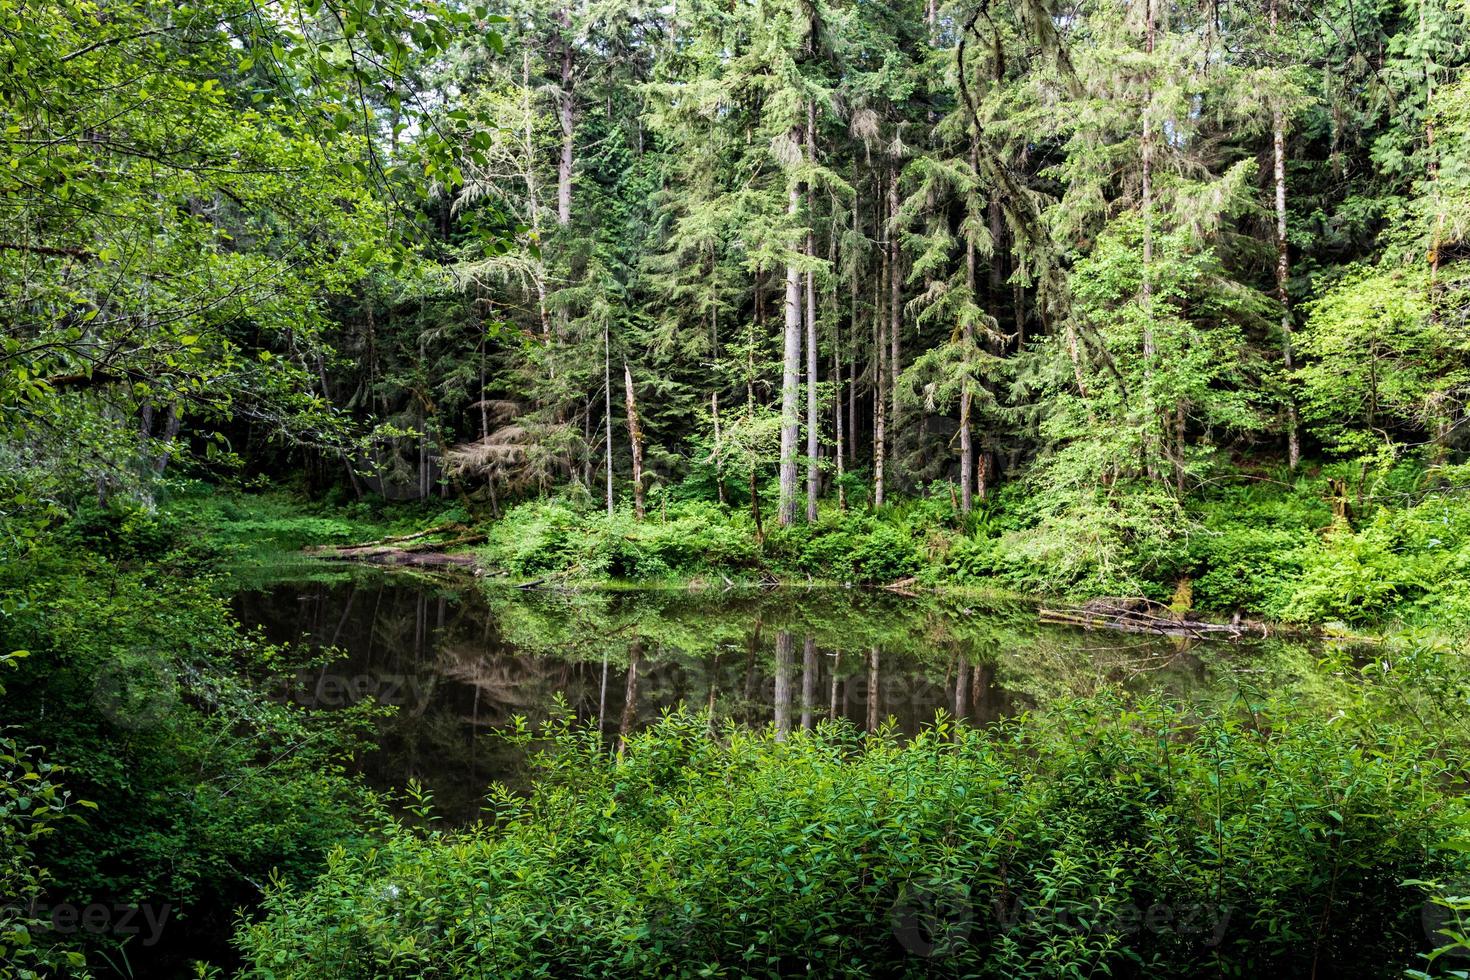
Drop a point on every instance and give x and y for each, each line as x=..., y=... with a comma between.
x=836, y=666
x=967, y=448
x=566, y=116
x=813, y=430
x=880, y=371
x=170, y=433
x=837, y=396
x=874, y=682
x=1283, y=263
x=635, y=440
x=790, y=385
x=962, y=689
x=895, y=289
x=714, y=411
x=808, y=682
x=607, y=408
x=1145, y=290
x=533, y=193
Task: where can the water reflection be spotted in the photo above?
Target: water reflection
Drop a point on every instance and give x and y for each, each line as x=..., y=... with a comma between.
x=460, y=661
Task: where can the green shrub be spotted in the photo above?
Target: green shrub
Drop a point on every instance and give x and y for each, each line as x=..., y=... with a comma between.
x=1105, y=838
x=159, y=709
x=1247, y=568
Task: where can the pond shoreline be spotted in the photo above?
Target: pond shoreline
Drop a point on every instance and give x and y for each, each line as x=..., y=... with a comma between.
x=1123, y=614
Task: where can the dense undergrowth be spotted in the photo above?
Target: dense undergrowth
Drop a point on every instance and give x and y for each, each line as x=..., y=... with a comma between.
x=1104, y=837
x=1264, y=547
x=140, y=695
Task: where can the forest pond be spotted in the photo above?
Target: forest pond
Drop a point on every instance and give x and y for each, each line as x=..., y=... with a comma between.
x=460, y=658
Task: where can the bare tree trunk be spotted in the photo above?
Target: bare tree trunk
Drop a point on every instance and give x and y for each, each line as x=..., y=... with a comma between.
x=790, y=385
x=836, y=666
x=967, y=448
x=962, y=689
x=895, y=288
x=607, y=409
x=630, y=697
x=760, y=330
x=170, y=433
x=566, y=115
x=635, y=440
x=1283, y=263
x=1145, y=291
x=873, y=684
x=837, y=399
x=714, y=411
x=533, y=193
x=880, y=371
x=813, y=430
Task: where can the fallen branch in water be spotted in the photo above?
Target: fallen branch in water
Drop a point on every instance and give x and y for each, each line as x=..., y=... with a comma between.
x=420, y=553
x=1146, y=616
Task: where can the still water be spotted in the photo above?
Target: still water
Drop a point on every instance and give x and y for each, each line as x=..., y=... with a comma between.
x=459, y=659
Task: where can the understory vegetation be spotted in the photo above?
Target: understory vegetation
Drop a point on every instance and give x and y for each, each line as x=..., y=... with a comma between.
x=1133, y=839
x=1265, y=546
x=148, y=762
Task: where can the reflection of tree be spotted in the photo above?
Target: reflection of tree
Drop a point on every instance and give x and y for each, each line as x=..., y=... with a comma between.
x=808, y=680
x=630, y=697
x=873, y=688
x=783, y=685
x=461, y=660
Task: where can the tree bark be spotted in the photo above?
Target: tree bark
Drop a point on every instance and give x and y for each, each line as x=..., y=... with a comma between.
x=607, y=408
x=967, y=448
x=1283, y=262
x=895, y=289
x=880, y=371
x=1145, y=290
x=837, y=394
x=790, y=385
x=808, y=682
x=635, y=440
x=566, y=115
x=874, y=682
x=813, y=430
x=630, y=697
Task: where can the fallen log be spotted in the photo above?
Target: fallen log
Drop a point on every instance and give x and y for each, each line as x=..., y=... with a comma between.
x=1145, y=616
x=401, y=538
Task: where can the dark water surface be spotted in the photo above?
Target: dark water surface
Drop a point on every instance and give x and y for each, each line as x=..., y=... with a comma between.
x=459, y=659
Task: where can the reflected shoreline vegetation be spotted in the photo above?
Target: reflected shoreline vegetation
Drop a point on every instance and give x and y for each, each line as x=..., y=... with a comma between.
x=460, y=659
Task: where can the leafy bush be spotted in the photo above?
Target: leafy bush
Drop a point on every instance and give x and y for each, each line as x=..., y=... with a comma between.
x=1103, y=838
x=32, y=805
x=1410, y=563
x=142, y=687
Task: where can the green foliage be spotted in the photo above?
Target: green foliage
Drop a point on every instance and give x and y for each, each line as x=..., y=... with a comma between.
x=162, y=713
x=554, y=536
x=32, y=805
x=1134, y=839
